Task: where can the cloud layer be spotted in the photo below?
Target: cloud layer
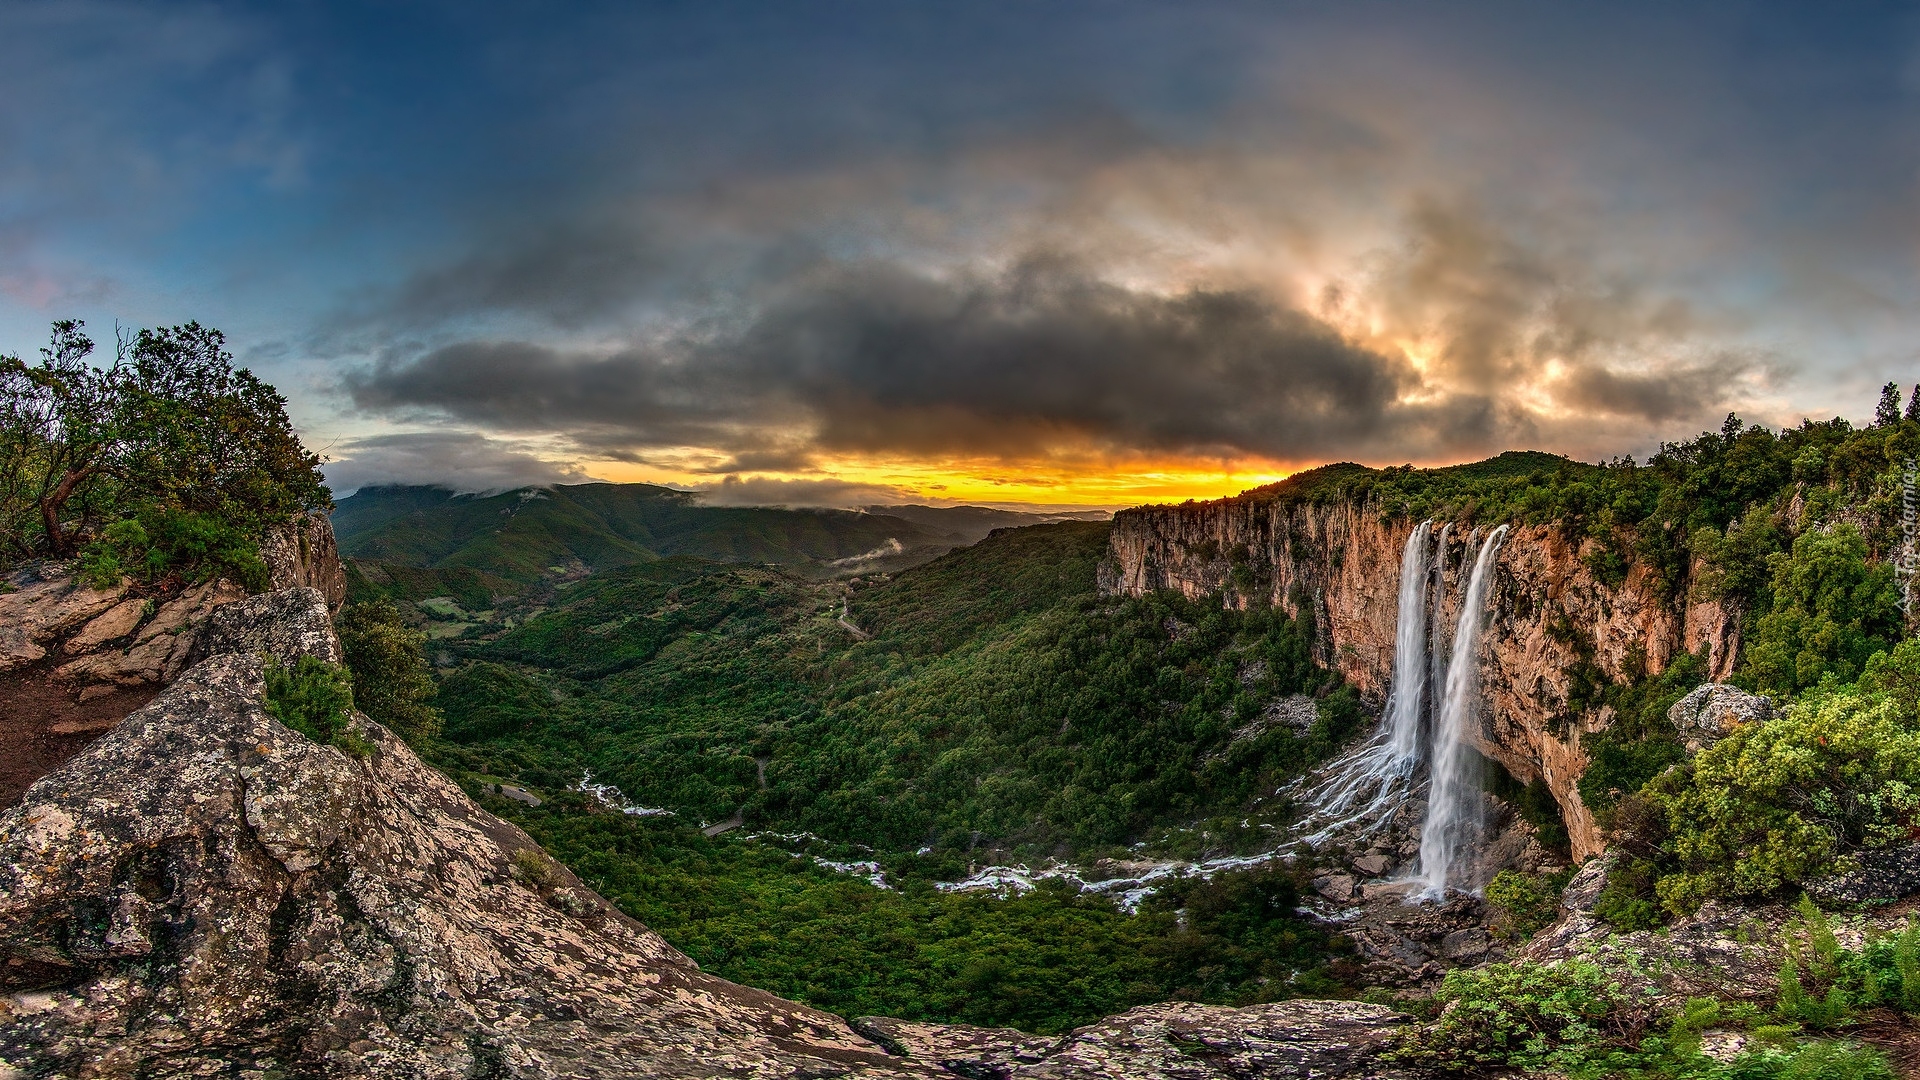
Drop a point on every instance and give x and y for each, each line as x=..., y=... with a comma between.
x=809, y=246
x=464, y=461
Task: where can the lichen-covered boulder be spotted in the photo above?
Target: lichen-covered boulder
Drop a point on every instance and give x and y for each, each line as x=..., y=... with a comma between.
x=1713, y=711
x=1295, y=1040
x=302, y=554
x=1292, y=1040
x=1885, y=874
x=1583, y=890
x=960, y=1049
x=283, y=625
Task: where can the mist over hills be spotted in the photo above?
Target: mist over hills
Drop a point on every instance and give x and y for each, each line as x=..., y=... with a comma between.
x=530, y=533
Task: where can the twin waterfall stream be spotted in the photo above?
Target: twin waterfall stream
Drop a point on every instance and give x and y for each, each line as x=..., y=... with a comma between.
x=1430, y=707
x=1421, y=744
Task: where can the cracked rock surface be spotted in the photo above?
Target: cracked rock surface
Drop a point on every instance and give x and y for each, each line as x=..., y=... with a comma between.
x=1307, y=1040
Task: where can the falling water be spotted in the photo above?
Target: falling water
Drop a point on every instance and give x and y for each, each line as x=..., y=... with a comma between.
x=1407, y=694
x=1364, y=785
x=1437, y=623
x=1453, y=794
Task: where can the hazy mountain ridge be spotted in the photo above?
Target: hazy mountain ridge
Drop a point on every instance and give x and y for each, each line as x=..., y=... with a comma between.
x=529, y=533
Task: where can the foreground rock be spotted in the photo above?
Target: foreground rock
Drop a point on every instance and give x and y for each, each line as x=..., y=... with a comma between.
x=1711, y=712
x=205, y=892
x=204, y=887
x=1723, y=950
x=1192, y=1042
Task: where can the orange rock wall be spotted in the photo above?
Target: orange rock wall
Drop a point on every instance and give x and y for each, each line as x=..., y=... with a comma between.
x=1343, y=563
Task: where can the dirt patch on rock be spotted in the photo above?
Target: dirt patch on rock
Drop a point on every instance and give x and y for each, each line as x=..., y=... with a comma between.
x=1895, y=1036
x=43, y=723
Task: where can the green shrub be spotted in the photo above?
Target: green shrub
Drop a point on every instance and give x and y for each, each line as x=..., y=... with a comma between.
x=536, y=868
x=1816, y=1061
x=1641, y=743
x=1831, y=611
x=1815, y=1011
x=1531, y=1016
x=1628, y=902
x=1775, y=804
x=158, y=542
x=1906, y=966
x=1527, y=902
x=392, y=683
x=313, y=698
x=1576, y=1020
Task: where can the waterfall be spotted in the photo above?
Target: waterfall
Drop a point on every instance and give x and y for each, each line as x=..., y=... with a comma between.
x=1407, y=694
x=1437, y=624
x=1367, y=783
x=1453, y=796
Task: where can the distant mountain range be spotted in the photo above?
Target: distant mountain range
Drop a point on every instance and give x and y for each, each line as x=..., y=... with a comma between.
x=530, y=533
x=971, y=524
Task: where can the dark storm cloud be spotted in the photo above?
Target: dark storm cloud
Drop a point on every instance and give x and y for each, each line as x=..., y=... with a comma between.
x=564, y=273
x=759, y=229
x=1684, y=393
x=881, y=360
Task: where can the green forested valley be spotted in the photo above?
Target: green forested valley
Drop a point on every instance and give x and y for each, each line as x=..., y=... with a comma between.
x=983, y=706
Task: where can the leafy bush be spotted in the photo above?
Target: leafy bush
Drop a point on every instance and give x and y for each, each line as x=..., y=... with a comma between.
x=1574, y=1019
x=1531, y=1016
x=1812, y=948
x=1815, y=1061
x=1629, y=900
x=1885, y=971
x=1775, y=803
x=1831, y=611
x=1527, y=902
x=1641, y=743
x=536, y=868
x=313, y=698
x=160, y=542
x=392, y=683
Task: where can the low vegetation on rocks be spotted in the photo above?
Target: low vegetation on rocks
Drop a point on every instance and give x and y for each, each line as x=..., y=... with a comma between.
x=314, y=698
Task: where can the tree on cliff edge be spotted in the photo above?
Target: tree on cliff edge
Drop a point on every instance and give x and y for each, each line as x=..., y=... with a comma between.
x=169, y=436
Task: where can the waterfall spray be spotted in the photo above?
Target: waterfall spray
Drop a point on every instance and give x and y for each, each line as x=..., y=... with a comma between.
x=1453, y=796
x=1367, y=783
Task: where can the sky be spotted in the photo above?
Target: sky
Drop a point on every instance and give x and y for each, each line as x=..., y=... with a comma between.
x=1056, y=253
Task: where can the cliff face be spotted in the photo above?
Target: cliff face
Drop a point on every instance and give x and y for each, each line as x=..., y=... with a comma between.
x=1548, y=614
x=302, y=554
